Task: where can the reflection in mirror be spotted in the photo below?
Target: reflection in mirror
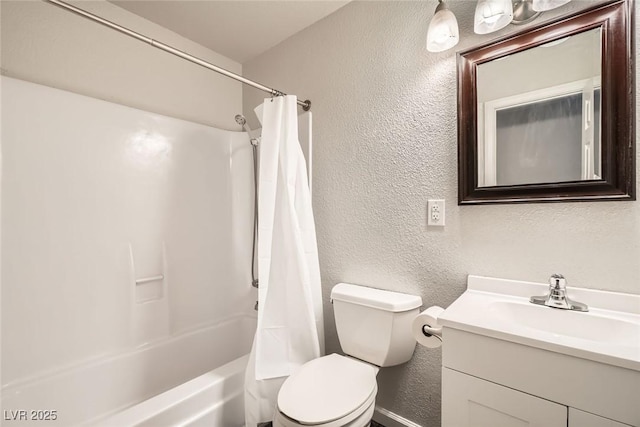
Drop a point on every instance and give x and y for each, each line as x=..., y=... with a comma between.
x=539, y=113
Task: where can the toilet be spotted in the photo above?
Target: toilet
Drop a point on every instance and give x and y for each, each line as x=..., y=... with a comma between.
x=374, y=329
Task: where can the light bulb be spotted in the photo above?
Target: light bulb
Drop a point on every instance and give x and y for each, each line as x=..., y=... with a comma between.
x=443, y=30
x=492, y=15
x=543, y=5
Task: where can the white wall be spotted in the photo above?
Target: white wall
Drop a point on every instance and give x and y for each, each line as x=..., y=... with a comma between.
x=384, y=142
x=45, y=44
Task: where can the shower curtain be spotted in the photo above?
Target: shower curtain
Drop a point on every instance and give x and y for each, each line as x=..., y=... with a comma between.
x=290, y=324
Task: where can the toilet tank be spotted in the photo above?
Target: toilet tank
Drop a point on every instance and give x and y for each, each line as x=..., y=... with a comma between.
x=374, y=325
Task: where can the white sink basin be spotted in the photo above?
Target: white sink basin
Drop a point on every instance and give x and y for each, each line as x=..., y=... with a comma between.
x=608, y=333
x=573, y=324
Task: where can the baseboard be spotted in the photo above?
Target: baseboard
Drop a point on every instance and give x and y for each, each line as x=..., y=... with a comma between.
x=389, y=419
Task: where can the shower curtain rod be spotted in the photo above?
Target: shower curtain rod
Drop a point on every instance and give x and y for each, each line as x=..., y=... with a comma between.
x=306, y=105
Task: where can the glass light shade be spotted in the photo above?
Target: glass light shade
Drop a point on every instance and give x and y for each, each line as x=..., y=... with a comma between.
x=443, y=30
x=492, y=15
x=542, y=5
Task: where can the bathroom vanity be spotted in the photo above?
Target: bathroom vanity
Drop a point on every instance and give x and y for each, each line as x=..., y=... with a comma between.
x=508, y=362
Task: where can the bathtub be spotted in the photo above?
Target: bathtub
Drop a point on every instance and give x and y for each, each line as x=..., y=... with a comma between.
x=212, y=399
x=194, y=378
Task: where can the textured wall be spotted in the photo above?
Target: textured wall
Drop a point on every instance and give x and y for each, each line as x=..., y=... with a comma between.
x=385, y=142
x=44, y=44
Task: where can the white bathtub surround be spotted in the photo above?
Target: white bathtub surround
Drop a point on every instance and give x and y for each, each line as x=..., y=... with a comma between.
x=290, y=324
x=95, y=196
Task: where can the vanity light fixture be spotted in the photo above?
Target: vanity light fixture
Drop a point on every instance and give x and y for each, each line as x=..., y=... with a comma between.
x=490, y=16
x=443, y=29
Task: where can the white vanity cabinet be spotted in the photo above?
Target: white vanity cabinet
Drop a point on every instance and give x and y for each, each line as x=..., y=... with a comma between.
x=578, y=418
x=509, y=363
x=468, y=401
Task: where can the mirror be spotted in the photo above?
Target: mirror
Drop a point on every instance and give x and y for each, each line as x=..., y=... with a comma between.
x=539, y=114
x=548, y=114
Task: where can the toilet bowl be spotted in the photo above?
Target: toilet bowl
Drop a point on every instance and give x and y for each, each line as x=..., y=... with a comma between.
x=374, y=326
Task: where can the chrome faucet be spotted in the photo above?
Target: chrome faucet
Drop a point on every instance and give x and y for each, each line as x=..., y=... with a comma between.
x=557, y=297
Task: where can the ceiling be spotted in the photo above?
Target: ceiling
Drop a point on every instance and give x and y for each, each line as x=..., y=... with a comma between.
x=240, y=30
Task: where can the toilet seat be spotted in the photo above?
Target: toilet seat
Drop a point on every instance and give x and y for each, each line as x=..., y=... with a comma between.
x=361, y=417
x=329, y=391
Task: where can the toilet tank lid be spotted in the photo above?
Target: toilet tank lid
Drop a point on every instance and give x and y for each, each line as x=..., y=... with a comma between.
x=376, y=298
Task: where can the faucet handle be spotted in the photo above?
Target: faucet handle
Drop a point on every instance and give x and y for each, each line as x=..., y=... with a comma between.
x=557, y=282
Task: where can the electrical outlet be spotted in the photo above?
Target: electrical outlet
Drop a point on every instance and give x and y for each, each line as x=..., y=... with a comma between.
x=435, y=212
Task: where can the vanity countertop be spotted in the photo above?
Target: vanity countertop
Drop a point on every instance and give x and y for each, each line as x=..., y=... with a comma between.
x=499, y=308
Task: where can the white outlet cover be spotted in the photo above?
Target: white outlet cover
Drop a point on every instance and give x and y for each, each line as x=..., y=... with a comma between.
x=436, y=213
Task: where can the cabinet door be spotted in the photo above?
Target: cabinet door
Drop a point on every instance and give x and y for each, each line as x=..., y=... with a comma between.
x=578, y=418
x=472, y=402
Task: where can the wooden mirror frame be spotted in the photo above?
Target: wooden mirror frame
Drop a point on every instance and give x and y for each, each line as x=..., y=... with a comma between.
x=617, y=109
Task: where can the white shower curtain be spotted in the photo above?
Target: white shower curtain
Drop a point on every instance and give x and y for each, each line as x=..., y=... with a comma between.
x=290, y=324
